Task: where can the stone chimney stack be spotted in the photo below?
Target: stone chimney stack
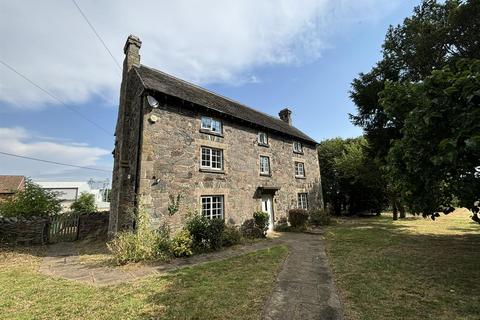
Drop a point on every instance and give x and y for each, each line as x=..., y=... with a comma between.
x=286, y=116
x=132, y=52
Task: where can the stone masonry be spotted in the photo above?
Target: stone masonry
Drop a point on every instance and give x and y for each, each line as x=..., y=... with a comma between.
x=157, y=156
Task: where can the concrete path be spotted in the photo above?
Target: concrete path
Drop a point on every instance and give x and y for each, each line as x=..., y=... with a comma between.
x=305, y=288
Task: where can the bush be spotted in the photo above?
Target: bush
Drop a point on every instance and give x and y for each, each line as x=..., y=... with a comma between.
x=143, y=244
x=181, y=244
x=250, y=230
x=298, y=218
x=282, y=225
x=206, y=233
x=318, y=217
x=261, y=220
x=231, y=236
x=84, y=204
x=31, y=201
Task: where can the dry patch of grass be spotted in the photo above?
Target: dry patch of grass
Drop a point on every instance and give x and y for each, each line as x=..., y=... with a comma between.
x=407, y=269
x=229, y=289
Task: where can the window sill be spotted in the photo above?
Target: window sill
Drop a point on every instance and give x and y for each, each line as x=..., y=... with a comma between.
x=212, y=170
x=265, y=174
x=211, y=133
x=297, y=152
x=300, y=177
x=263, y=145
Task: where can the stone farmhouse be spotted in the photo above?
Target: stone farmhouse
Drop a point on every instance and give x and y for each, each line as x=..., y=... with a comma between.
x=222, y=158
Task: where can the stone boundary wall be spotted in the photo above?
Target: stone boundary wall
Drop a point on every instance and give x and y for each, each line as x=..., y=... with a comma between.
x=93, y=225
x=35, y=230
x=23, y=231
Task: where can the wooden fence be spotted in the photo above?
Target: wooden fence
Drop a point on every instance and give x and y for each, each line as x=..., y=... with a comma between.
x=44, y=230
x=63, y=228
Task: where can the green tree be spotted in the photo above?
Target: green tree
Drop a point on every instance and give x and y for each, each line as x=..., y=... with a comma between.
x=85, y=203
x=438, y=157
x=351, y=181
x=31, y=201
x=435, y=36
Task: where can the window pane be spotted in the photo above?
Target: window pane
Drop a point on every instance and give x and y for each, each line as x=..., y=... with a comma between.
x=212, y=206
x=206, y=123
x=206, y=158
x=264, y=165
x=303, y=201
x=216, y=126
x=262, y=138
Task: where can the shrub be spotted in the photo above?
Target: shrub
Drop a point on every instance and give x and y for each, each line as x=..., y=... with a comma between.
x=206, y=233
x=318, y=217
x=231, y=236
x=84, y=204
x=31, y=201
x=298, y=218
x=250, y=230
x=142, y=244
x=282, y=225
x=181, y=244
x=261, y=220
x=215, y=231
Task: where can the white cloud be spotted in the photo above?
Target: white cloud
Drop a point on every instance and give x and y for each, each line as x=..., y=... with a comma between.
x=202, y=41
x=20, y=141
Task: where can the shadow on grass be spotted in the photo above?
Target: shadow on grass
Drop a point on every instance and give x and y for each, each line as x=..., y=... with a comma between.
x=410, y=269
x=235, y=288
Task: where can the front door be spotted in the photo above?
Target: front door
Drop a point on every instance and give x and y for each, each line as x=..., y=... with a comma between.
x=267, y=206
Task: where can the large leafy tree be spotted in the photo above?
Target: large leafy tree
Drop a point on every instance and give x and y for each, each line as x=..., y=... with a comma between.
x=437, y=159
x=351, y=180
x=435, y=36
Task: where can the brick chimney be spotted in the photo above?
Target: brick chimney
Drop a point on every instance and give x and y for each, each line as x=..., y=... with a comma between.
x=286, y=116
x=132, y=52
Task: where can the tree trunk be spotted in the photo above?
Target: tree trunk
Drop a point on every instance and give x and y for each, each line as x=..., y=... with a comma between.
x=395, y=211
x=401, y=208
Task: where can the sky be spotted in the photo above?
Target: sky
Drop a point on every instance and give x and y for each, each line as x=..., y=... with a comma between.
x=302, y=54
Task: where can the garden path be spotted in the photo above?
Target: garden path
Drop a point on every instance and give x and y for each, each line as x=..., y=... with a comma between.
x=304, y=288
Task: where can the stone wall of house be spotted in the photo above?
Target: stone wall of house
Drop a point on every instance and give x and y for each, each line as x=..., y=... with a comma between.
x=170, y=165
x=124, y=177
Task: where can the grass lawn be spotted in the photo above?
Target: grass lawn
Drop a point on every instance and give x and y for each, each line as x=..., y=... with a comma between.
x=407, y=269
x=230, y=289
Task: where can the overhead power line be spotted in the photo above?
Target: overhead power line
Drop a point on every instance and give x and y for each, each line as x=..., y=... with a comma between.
x=97, y=34
x=55, y=97
x=52, y=162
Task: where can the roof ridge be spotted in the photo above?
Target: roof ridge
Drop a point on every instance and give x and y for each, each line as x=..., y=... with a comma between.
x=182, y=88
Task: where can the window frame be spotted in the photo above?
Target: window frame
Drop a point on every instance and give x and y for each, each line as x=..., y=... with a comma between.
x=210, y=158
x=210, y=210
x=261, y=143
x=297, y=165
x=295, y=144
x=210, y=128
x=302, y=203
x=265, y=173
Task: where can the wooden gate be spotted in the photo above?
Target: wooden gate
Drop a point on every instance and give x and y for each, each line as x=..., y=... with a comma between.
x=63, y=228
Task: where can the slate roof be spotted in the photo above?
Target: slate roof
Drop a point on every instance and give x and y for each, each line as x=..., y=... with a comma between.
x=10, y=184
x=159, y=81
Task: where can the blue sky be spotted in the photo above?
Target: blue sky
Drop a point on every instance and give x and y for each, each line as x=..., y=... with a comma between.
x=311, y=75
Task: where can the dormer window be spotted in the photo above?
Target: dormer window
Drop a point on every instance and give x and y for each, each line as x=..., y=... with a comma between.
x=262, y=139
x=297, y=147
x=211, y=125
